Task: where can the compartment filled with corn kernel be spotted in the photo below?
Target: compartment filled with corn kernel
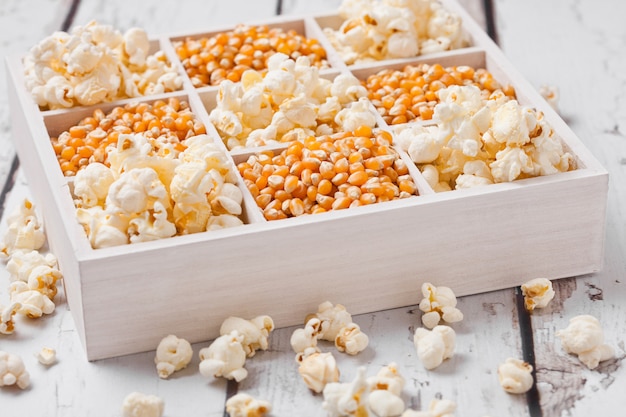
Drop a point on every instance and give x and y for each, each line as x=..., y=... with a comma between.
x=208, y=59
x=143, y=171
x=329, y=172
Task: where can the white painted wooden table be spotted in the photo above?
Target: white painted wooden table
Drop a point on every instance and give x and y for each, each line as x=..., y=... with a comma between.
x=577, y=45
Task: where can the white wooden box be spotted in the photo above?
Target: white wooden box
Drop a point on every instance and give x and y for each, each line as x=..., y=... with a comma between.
x=125, y=299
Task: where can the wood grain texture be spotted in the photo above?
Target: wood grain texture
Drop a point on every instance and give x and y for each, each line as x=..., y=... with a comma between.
x=583, y=46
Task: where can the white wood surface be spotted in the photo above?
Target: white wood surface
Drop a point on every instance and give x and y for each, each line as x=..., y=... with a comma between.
x=490, y=331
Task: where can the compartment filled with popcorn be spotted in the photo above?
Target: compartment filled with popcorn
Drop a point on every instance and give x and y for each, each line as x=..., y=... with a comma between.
x=212, y=57
x=367, y=31
x=146, y=170
x=289, y=102
x=328, y=172
x=97, y=63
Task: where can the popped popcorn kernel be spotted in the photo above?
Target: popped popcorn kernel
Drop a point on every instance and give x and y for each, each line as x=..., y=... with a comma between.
x=172, y=354
x=7, y=325
x=584, y=337
x=333, y=318
x=439, y=303
x=12, y=371
x=434, y=346
x=537, y=293
x=307, y=337
x=244, y=405
x=351, y=339
x=225, y=357
x=255, y=331
x=137, y=404
x=515, y=376
x=47, y=356
x=24, y=231
x=33, y=303
x=317, y=369
x=22, y=262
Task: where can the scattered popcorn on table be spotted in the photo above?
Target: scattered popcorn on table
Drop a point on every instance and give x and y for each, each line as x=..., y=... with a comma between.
x=137, y=404
x=434, y=346
x=317, y=369
x=12, y=371
x=172, y=354
x=387, y=29
x=439, y=303
x=255, y=331
x=515, y=376
x=584, y=337
x=93, y=64
x=225, y=357
x=289, y=102
x=333, y=318
x=47, y=356
x=22, y=262
x=537, y=293
x=24, y=232
x=244, y=405
x=436, y=408
x=479, y=142
x=7, y=325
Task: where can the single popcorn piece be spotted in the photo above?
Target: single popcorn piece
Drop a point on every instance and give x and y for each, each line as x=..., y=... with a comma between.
x=24, y=232
x=137, y=404
x=172, y=354
x=43, y=278
x=47, y=356
x=385, y=403
x=92, y=183
x=22, y=263
x=537, y=293
x=388, y=378
x=436, y=408
x=33, y=303
x=244, y=405
x=225, y=357
x=7, y=325
x=434, y=346
x=255, y=332
x=515, y=376
x=317, y=369
x=13, y=371
x=584, y=337
x=333, y=319
x=439, y=303
x=307, y=337
x=351, y=339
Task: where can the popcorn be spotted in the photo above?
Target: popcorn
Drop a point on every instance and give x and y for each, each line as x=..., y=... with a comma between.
x=22, y=262
x=25, y=231
x=225, y=357
x=351, y=340
x=12, y=371
x=172, y=354
x=436, y=408
x=317, y=369
x=363, y=397
x=584, y=337
x=480, y=141
x=136, y=191
x=439, y=303
x=289, y=102
x=43, y=279
x=434, y=346
x=376, y=30
x=7, y=325
x=33, y=303
x=47, y=356
x=137, y=404
x=388, y=378
x=93, y=64
x=537, y=293
x=333, y=318
x=255, y=332
x=306, y=338
x=515, y=376
x=244, y=405
x=92, y=183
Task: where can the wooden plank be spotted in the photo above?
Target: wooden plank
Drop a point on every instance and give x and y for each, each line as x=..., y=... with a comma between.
x=547, y=57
